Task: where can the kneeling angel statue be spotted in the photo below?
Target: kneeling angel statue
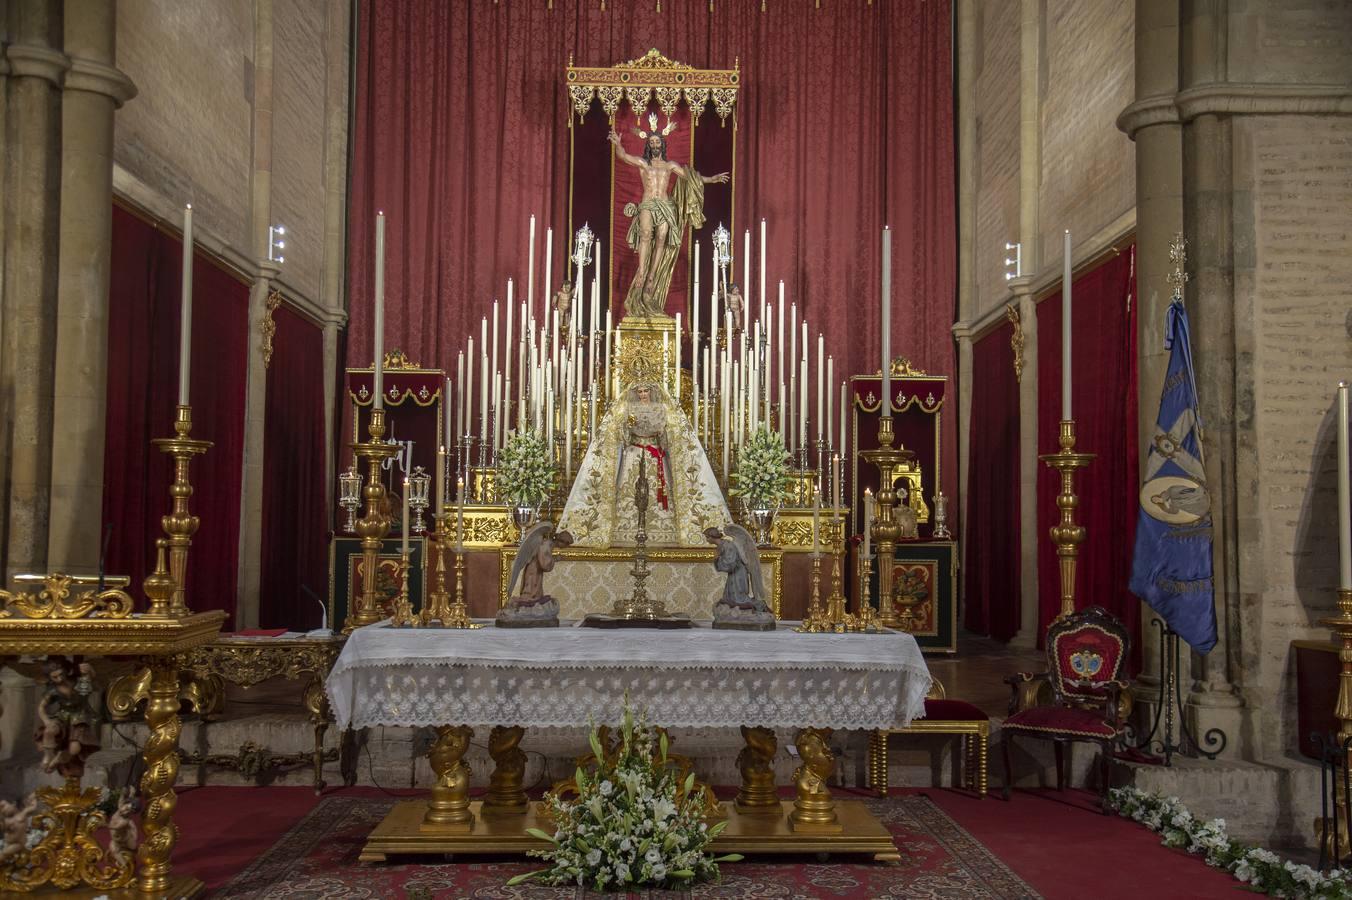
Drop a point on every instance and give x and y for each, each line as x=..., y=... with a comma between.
x=743, y=604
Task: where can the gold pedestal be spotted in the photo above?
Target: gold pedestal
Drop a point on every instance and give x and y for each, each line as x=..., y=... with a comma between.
x=1066, y=534
x=506, y=791
x=448, y=810
x=813, y=809
x=757, y=795
x=180, y=525
x=885, y=527
x=373, y=526
x=815, y=622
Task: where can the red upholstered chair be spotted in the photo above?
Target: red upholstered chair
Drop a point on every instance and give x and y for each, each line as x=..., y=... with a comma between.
x=1085, y=656
x=942, y=716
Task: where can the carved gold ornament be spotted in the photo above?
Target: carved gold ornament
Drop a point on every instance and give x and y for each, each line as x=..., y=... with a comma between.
x=69, y=854
x=398, y=359
x=270, y=326
x=54, y=600
x=1016, y=338
x=650, y=76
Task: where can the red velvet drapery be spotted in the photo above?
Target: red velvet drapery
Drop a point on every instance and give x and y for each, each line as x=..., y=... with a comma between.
x=460, y=132
x=143, y=323
x=1104, y=406
x=991, y=549
x=295, y=500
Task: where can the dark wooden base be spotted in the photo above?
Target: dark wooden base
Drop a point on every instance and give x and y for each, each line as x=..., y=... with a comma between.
x=526, y=623
x=744, y=626
x=602, y=620
x=402, y=833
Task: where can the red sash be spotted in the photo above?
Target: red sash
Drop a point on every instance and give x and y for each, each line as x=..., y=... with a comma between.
x=658, y=456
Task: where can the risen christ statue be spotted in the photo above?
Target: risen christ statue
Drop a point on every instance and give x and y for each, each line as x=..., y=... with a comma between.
x=658, y=222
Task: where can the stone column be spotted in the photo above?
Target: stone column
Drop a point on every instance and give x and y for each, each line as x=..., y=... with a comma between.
x=1031, y=30
x=1208, y=214
x=967, y=295
x=255, y=394
x=94, y=90
x=31, y=197
x=332, y=294
x=1152, y=122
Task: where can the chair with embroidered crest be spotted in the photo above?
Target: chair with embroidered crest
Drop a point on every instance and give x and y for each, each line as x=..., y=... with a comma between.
x=942, y=716
x=1086, y=657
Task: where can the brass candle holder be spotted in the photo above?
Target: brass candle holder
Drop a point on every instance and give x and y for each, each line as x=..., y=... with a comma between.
x=865, y=620
x=374, y=525
x=815, y=622
x=1341, y=625
x=402, y=615
x=885, y=527
x=180, y=525
x=1066, y=534
x=836, y=616
x=439, y=610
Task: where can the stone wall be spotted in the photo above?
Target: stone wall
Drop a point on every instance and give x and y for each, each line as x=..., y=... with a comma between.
x=995, y=174
x=1293, y=266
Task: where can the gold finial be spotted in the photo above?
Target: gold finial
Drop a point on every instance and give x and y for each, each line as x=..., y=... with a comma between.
x=1178, y=255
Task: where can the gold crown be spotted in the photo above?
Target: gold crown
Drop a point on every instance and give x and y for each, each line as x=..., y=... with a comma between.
x=652, y=127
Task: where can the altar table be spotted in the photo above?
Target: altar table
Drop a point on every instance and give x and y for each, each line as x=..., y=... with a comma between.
x=513, y=679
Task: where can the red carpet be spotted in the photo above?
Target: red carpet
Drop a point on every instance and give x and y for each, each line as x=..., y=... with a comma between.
x=1055, y=842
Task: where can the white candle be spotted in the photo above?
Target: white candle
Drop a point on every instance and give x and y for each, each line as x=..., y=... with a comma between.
x=821, y=392
x=469, y=390
x=404, y=531
x=554, y=340
x=485, y=385
x=441, y=479
x=816, y=516
x=530, y=268
x=608, y=339
x=887, y=322
x=1344, y=502
x=694, y=304
x=826, y=421
x=185, y=309
x=677, y=392
x=779, y=342
x=460, y=515
x=841, y=446
x=726, y=405
x=460, y=396
x=791, y=414
x=497, y=407
x=1065, y=329
x=835, y=464
x=746, y=276
x=802, y=400
x=782, y=410
x=761, y=294
x=868, y=522
x=545, y=299
x=598, y=279
x=493, y=360
x=448, y=429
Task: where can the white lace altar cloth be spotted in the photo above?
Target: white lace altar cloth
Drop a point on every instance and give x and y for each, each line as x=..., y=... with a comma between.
x=567, y=677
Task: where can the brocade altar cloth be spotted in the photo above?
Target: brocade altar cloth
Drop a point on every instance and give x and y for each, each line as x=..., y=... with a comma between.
x=568, y=677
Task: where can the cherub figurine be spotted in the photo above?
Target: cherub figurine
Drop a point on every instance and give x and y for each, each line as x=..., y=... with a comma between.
x=813, y=776
x=743, y=602
x=66, y=732
x=563, y=303
x=533, y=607
x=735, y=307
x=123, y=836
x=14, y=821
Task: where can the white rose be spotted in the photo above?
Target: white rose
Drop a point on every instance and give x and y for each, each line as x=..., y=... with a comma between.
x=594, y=857
x=653, y=856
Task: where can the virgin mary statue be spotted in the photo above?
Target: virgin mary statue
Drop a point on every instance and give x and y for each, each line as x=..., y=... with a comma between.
x=685, y=500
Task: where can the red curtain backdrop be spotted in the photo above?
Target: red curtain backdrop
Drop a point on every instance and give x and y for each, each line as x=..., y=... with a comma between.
x=1104, y=404
x=143, y=324
x=991, y=549
x=844, y=124
x=295, y=501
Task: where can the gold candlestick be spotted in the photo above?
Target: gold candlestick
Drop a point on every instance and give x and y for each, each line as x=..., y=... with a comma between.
x=865, y=619
x=180, y=525
x=439, y=609
x=885, y=528
x=1066, y=534
x=836, y=616
x=373, y=526
x=1341, y=626
x=402, y=615
x=815, y=622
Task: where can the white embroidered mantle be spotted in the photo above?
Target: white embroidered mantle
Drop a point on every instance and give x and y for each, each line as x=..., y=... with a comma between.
x=567, y=677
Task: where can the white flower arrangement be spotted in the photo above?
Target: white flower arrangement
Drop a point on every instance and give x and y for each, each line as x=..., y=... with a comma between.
x=762, y=473
x=525, y=468
x=634, y=822
x=1262, y=870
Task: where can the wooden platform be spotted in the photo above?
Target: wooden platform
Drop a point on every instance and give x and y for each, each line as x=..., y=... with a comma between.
x=402, y=833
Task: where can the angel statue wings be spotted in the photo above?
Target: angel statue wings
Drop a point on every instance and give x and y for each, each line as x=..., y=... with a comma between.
x=533, y=607
x=660, y=219
x=743, y=602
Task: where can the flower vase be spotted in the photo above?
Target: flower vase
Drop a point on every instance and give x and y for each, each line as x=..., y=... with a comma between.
x=523, y=517
x=762, y=523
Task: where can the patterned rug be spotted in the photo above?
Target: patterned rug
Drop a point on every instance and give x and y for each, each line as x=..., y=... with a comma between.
x=316, y=860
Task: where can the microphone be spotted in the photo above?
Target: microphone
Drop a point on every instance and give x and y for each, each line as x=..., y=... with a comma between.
x=103, y=555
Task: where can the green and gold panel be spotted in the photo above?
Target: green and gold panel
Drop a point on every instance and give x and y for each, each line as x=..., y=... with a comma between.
x=925, y=574
x=347, y=575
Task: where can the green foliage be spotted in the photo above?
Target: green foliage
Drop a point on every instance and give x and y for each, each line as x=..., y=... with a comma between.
x=631, y=823
x=525, y=469
x=761, y=477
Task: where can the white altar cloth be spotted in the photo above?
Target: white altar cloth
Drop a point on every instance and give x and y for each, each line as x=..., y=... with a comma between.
x=568, y=677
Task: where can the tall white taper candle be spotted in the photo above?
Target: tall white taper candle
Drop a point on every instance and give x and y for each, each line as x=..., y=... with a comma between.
x=1065, y=329
x=185, y=309
x=887, y=323
x=1344, y=496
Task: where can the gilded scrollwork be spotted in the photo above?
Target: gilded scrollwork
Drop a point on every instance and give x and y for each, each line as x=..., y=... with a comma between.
x=1016, y=338
x=54, y=601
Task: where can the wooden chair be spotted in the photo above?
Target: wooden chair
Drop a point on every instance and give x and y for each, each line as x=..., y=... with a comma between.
x=1085, y=656
x=942, y=716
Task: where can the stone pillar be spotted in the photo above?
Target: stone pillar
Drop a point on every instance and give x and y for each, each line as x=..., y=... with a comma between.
x=31, y=197
x=1152, y=122
x=255, y=393
x=967, y=294
x=94, y=90
x=1031, y=30
x=332, y=294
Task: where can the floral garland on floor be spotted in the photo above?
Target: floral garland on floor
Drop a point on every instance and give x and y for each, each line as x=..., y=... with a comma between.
x=1261, y=869
x=634, y=822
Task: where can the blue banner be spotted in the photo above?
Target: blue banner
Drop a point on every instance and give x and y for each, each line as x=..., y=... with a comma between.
x=1171, y=567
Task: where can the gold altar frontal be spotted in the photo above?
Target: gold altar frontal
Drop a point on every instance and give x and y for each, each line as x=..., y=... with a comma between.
x=403, y=833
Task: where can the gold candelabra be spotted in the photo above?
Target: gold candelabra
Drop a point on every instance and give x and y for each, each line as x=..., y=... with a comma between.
x=439, y=609
x=1066, y=534
x=885, y=527
x=1341, y=625
x=180, y=525
x=402, y=615
x=865, y=620
x=815, y=622
x=836, y=616
x=640, y=605
x=375, y=524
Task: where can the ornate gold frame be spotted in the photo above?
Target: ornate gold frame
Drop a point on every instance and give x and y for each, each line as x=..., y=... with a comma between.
x=650, y=76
